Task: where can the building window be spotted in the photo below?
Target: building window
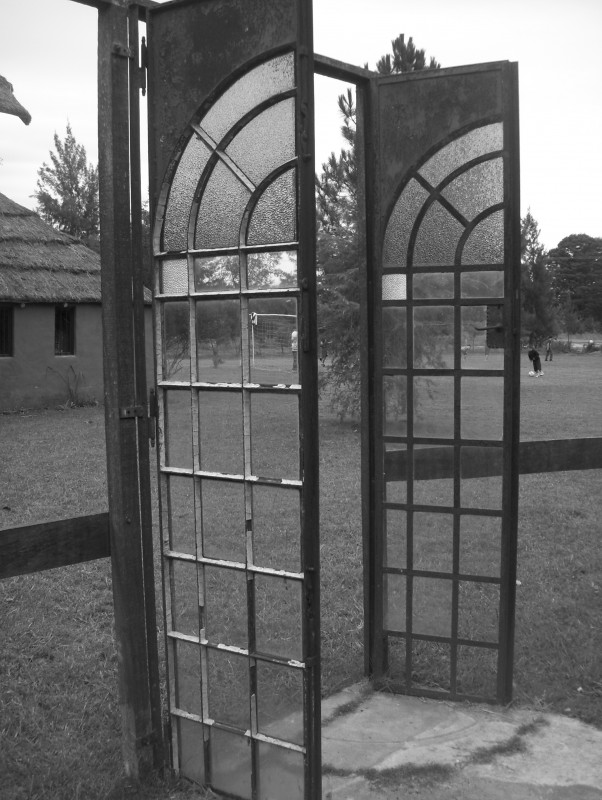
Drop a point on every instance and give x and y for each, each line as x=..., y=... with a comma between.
x=6, y=329
x=64, y=330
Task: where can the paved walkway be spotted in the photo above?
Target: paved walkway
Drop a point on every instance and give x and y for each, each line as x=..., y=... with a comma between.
x=389, y=746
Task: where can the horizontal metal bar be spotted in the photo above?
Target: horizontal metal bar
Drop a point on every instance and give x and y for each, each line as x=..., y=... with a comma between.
x=331, y=68
x=47, y=545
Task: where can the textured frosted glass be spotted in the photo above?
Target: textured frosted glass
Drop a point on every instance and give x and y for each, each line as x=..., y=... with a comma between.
x=272, y=270
x=482, y=284
x=437, y=238
x=472, y=145
x=266, y=142
x=222, y=206
x=274, y=217
x=433, y=285
x=174, y=276
x=478, y=188
x=266, y=80
x=193, y=161
x=394, y=287
x=485, y=245
x=216, y=273
x=399, y=227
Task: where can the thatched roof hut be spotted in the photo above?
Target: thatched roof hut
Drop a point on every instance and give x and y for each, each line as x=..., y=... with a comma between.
x=39, y=264
x=9, y=103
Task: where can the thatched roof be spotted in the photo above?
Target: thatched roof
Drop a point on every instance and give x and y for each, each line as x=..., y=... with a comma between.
x=38, y=264
x=9, y=103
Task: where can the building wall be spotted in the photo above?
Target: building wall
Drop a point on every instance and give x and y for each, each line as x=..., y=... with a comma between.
x=34, y=377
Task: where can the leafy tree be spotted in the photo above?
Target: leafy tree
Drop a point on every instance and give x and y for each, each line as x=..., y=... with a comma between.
x=576, y=265
x=337, y=246
x=539, y=315
x=67, y=190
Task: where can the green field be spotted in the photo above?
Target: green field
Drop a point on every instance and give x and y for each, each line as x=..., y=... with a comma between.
x=59, y=716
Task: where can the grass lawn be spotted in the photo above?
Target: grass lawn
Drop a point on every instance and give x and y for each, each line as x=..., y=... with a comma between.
x=59, y=717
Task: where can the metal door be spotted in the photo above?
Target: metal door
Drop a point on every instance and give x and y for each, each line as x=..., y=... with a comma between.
x=232, y=171
x=442, y=188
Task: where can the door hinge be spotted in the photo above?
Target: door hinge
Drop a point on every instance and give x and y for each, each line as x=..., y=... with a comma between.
x=143, y=66
x=130, y=412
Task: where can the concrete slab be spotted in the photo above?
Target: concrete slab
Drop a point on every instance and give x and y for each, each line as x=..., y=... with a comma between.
x=377, y=745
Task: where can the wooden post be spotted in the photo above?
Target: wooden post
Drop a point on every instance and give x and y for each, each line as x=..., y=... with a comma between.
x=131, y=550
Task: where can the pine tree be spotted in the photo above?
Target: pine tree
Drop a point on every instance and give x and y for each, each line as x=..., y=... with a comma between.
x=539, y=313
x=337, y=245
x=67, y=191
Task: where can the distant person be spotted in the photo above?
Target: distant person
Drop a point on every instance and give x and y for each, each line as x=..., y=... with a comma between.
x=323, y=351
x=536, y=360
x=294, y=347
x=549, y=351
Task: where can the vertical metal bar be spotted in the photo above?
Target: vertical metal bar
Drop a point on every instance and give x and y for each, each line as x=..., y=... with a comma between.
x=146, y=516
x=511, y=382
x=140, y=739
x=308, y=372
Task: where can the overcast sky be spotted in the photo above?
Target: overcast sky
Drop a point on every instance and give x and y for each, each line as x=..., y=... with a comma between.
x=48, y=53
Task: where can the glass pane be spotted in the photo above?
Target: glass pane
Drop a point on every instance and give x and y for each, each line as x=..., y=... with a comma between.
x=176, y=341
x=216, y=273
x=480, y=545
x=476, y=671
x=395, y=473
x=395, y=402
x=275, y=436
x=188, y=677
x=220, y=212
x=277, y=528
x=191, y=754
x=281, y=773
x=485, y=245
x=485, y=491
x=434, y=406
x=433, y=542
x=476, y=341
x=278, y=617
x=433, y=285
x=478, y=188
x=266, y=142
x=181, y=514
x=394, y=588
x=395, y=538
x=431, y=609
x=394, y=337
x=437, y=238
x=274, y=76
x=223, y=509
x=174, y=276
x=478, y=611
x=220, y=431
x=178, y=434
x=274, y=218
x=394, y=286
x=185, y=597
x=272, y=270
x=218, y=341
x=399, y=226
x=273, y=341
x=226, y=606
x=482, y=284
x=230, y=763
x=433, y=475
x=431, y=665
x=396, y=652
x=478, y=142
x=228, y=688
x=184, y=184
x=433, y=337
x=280, y=702
x=482, y=408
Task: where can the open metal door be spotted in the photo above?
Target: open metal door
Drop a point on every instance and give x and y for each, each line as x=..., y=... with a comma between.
x=232, y=187
x=443, y=226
